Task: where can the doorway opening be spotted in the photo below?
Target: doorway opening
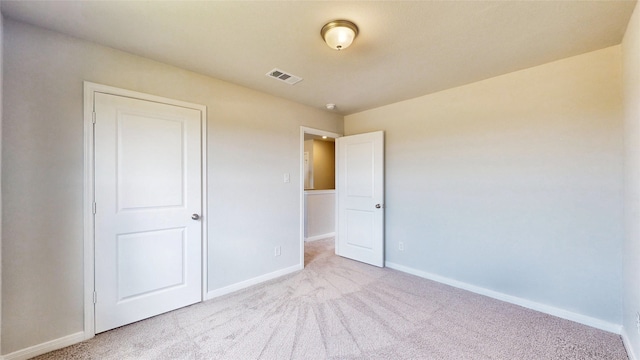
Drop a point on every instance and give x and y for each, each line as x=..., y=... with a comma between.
x=317, y=186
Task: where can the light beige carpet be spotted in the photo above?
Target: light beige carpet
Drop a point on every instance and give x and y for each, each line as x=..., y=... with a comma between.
x=341, y=309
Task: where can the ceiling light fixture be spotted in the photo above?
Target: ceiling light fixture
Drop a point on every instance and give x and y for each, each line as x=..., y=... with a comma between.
x=331, y=106
x=339, y=34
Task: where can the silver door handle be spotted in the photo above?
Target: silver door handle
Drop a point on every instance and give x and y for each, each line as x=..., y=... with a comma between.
x=195, y=217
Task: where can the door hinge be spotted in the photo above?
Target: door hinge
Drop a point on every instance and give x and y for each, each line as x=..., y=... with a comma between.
x=93, y=117
x=95, y=297
x=94, y=208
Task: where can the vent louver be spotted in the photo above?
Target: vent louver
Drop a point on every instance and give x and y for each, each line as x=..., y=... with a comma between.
x=284, y=76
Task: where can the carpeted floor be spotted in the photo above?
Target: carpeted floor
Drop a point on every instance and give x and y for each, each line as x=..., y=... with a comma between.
x=341, y=309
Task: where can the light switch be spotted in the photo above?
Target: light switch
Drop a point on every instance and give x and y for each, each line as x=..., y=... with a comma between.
x=287, y=178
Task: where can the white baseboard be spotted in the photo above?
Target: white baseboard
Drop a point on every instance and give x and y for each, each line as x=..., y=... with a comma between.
x=627, y=345
x=45, y=347
x=561, y=313
x=256, y=280
x=320, y=237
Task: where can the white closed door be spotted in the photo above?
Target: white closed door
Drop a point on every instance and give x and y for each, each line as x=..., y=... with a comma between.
x=148, y=249
x=360, y=215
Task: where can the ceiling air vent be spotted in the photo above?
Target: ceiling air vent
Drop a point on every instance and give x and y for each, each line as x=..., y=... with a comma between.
x=284, y=76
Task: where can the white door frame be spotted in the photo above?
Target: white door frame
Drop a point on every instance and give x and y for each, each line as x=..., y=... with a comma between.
x=89, y=186
x=312, y=131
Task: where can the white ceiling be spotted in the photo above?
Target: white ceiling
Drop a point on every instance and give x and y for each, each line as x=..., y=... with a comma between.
x=405, y=49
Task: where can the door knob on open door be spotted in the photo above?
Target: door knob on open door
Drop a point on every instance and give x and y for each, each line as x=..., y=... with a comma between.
x=378, y=206
x=195, y=217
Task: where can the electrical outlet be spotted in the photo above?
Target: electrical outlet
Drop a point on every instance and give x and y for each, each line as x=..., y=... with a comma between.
x=638, y=322
x=401, y=246
x=277, y=251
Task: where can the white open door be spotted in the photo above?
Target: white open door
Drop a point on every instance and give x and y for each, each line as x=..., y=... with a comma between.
x=148, y=199
x=360, y=190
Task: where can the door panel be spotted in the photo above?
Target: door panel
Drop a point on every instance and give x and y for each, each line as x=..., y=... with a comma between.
x=148, y=185
x=360, y=163
x=150, y=157
x=157, y=270
x=359, y=226
x=359, y=167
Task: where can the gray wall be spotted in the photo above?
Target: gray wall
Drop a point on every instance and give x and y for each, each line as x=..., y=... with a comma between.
x=513, y=184
x=631, y=292
x=253, y=139
x=1, y=78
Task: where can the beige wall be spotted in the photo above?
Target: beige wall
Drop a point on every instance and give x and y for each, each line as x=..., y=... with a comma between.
x=324, y=165
x=513, y=184
x=253, y=139
x=308, y=176
x=631, y=284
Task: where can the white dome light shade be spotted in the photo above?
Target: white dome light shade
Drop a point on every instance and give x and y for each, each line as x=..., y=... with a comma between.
x=339, y=34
